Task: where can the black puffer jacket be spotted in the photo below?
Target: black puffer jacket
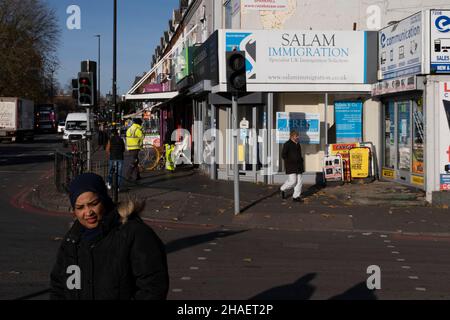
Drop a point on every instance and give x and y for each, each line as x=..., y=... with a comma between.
x=126, y=261
x=293, y=159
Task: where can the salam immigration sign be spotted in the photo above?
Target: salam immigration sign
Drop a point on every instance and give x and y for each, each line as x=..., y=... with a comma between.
x=281, y=56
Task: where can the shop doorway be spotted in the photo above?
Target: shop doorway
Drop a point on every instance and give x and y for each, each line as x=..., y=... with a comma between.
x=250, y=122
x=404, y=142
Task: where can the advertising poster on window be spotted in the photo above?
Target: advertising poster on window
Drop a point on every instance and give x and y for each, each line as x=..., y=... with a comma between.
x=306, y=124
x=440, y=41
x=152, y=139
x=418, y=162
x=445, y=136
x=348, y=118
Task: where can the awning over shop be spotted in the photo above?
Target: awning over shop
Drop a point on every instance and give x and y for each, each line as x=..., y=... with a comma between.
x=140, y=112
x=158, y=96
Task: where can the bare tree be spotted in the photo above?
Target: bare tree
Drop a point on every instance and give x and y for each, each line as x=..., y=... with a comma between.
x=29, y=36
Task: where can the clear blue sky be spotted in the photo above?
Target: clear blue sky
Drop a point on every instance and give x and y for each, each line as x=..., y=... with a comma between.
x=141, y=23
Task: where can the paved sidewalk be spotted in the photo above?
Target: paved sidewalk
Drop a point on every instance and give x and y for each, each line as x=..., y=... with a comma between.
x=188, y=197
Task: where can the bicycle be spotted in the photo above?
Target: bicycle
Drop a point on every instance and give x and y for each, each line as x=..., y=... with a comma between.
x=77, y=162
x=152, y=158
x=155, y=158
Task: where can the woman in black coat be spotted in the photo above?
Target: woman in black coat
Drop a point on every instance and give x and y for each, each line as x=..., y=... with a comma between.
x=109, y=253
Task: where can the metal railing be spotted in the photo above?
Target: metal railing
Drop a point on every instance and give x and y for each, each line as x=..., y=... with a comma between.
x=69, y=165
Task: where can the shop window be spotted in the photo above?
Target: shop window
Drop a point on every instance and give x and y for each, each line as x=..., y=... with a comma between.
x=418, y=142
x=404, y=135
x=232, y=14
x=389, y=143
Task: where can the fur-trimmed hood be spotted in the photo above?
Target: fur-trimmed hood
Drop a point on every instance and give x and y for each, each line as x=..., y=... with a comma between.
x=129, y=208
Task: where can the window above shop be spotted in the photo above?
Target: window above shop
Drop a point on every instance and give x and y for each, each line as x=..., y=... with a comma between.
x=232, y=10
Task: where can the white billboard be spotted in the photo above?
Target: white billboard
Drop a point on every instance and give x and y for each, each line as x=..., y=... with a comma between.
x=400, y=48
x=300, y=57
x=440, y=41
x=265, y=5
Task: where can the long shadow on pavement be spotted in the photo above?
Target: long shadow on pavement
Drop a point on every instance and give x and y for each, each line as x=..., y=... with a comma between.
x=308, y=193
x=303, y=290
x=192, y=241
x=259, y=201
x=299, y=290
x=358, y=292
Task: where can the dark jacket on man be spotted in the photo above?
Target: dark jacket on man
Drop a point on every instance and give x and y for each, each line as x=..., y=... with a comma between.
x=116, y=148
x=293, y=159
x=126, y=260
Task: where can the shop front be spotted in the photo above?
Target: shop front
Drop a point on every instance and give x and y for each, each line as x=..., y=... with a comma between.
x=413, y=90
x=403, y=132
x=300, y=76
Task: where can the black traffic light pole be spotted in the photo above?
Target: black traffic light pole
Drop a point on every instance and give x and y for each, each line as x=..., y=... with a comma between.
x=87, y=74
x=234, y=112
x=236, y=84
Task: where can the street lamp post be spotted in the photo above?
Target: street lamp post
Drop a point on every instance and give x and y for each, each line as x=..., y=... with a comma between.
x=98, y=73
x=115, y=186
x=115, y=63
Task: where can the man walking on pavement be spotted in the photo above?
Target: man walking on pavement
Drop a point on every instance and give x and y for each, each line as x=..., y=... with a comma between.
x=135, y=140
x=293, y=160
x=115, y=150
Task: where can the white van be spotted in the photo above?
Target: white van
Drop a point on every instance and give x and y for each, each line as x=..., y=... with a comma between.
x=75, y=128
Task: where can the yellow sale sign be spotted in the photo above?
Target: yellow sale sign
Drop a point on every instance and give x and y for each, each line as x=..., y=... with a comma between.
x=360, y=162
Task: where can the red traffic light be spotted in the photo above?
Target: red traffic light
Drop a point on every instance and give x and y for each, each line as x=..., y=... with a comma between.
x=84, y=81
x=86, y=89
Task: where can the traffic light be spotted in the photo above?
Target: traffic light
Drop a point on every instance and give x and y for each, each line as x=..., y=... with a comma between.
x=236, y=72
x=75, y=89
x=86, y=89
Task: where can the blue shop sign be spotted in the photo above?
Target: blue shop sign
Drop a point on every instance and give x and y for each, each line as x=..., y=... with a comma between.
x=348, y=117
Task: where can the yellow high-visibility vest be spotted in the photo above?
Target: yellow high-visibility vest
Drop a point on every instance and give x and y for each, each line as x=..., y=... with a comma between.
x=170, y=165
x=135, y=137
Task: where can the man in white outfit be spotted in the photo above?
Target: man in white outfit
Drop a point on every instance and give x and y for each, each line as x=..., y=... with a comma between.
x=293, y=160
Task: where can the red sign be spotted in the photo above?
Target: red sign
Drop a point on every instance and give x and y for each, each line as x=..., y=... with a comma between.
x=342, y=148
x=153, y=88
x=446, y=88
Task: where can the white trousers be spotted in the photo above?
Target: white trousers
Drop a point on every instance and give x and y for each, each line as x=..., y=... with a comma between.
x=294, y=180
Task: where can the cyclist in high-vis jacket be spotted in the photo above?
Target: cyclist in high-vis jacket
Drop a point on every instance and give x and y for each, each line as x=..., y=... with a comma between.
x=135, y=141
